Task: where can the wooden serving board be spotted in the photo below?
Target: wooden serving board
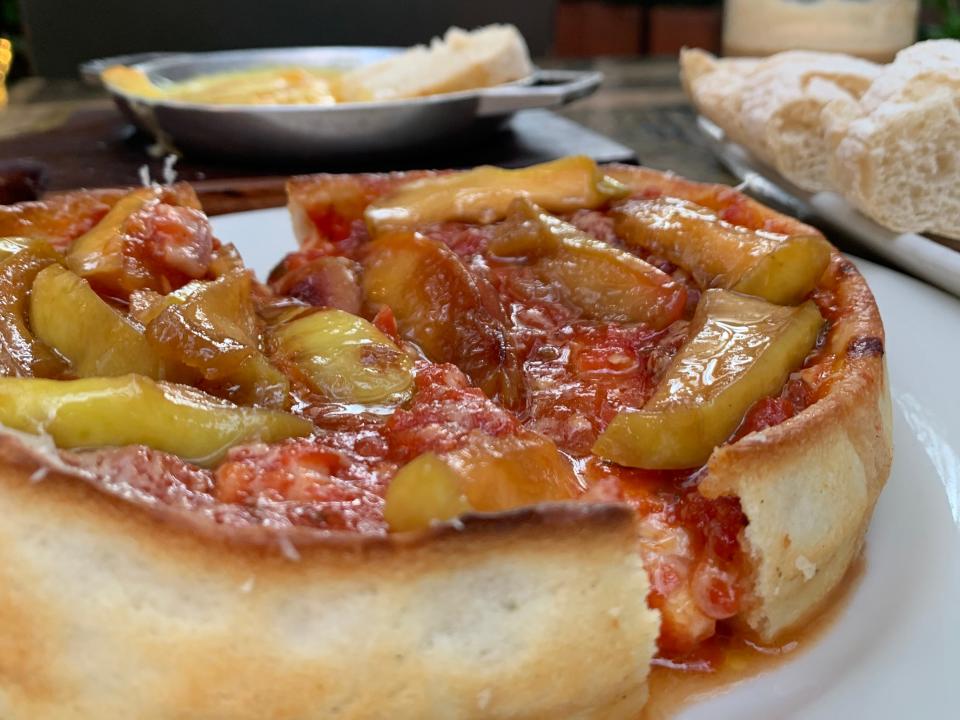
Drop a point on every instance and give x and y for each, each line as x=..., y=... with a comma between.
x=98, y=148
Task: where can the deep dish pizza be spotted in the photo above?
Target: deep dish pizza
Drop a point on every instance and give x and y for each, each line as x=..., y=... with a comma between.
x=486, y=445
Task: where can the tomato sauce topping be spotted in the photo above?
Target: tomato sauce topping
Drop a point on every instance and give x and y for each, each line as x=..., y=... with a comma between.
x=443, y=410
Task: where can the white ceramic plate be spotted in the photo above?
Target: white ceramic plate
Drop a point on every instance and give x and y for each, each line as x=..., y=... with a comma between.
x=917, y=254
x=895, y=651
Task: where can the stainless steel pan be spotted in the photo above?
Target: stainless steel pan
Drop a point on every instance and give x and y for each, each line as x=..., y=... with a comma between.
x=301, y=131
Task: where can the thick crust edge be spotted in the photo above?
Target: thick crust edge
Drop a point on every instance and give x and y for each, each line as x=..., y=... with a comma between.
x=112, y=609
x=809, y=485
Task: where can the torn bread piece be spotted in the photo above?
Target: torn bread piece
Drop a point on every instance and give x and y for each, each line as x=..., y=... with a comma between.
x=772, y=106
x=783, y=102
x=462, y=60
x=894, y=153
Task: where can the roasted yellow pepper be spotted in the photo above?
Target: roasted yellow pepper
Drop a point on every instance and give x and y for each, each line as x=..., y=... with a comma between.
x=344, y=358
x=740, y=349
x=21, y=353
x=98, y=256
x=487, y=474
x=211, y=327
x=453, y=316
x=133, y=410
x=604, y=282
x=780, y=268
x=67, y=315
x=12, y=245
x=424, y=491
x=484, y=194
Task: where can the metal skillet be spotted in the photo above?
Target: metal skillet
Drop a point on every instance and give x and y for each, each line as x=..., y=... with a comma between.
x=272, y=132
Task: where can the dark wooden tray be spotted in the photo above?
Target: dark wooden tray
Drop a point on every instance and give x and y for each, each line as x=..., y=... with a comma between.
x=98, y=148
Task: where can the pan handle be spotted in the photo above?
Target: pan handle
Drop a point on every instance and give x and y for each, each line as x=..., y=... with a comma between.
x=550, y=89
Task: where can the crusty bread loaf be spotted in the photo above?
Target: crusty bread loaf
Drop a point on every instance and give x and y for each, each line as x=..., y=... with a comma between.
x=782, y=104
x=885, y=137
x=916, y=69
x=460, y=61
x=894, y=155
x=773, y=106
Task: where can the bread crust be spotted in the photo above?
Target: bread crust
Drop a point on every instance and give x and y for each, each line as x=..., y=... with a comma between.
x=111, y=607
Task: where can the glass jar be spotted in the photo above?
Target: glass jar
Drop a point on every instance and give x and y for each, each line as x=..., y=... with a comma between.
x=873, y=29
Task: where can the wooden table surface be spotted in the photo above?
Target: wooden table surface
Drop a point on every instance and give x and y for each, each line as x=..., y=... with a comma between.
x=640, y=105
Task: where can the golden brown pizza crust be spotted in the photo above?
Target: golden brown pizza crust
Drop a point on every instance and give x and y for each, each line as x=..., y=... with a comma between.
x=112, y=610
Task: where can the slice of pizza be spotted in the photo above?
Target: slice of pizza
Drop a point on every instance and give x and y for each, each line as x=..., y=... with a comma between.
x=486, y=445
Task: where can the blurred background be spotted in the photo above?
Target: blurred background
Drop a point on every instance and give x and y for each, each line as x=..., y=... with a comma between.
x=50, y=37
x=58, y=132
x=73, y=136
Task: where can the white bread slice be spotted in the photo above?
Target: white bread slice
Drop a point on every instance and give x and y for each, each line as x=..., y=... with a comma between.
x=460, y=61
x=781, y=106
x=896, y=154
x=772, y=106
x=789, y=121
x=794, y=134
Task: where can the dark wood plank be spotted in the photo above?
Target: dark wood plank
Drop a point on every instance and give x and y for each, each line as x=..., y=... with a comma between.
x=97, y=148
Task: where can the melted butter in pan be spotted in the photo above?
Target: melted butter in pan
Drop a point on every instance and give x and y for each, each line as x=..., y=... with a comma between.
x=260, y=86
